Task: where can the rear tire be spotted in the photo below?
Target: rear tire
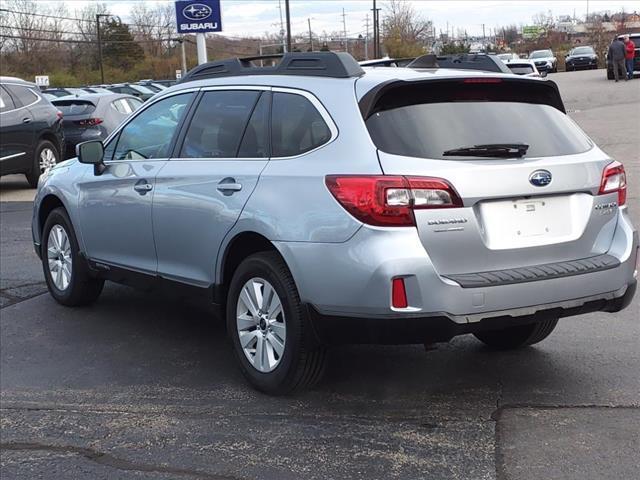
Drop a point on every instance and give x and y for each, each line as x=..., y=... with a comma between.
x=65, y=271
x=519, y=336
x=301, y=361
x=45, y=156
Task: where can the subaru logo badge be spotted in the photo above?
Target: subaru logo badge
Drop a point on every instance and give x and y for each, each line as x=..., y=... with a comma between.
x=540, y=178
x=197, y=11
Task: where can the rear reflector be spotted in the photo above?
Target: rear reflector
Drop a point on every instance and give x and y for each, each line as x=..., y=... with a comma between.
x=389, y=201
x=398, y=294
x=614, y=179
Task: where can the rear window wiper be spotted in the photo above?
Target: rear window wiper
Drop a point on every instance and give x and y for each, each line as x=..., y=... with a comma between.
x=489, y=150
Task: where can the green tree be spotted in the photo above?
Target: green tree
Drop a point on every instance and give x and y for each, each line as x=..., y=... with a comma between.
x=453, y=48
x=119, y=49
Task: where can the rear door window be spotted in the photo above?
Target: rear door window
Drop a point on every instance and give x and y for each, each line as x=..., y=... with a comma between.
x=255, y=141
x=296, y=126
x=218, y=124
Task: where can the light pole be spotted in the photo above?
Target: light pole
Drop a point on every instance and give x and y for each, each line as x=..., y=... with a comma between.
x=310, y=34
x=98, y=15
x=288, y=15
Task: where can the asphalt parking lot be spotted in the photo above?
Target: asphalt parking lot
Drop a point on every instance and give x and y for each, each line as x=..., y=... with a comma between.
x=140, y=386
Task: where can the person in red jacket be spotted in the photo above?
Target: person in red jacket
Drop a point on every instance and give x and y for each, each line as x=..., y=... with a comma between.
x=629, y=52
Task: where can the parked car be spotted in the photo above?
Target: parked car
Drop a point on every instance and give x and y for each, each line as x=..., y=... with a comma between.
x=139, y=91
x=64, y=91
x=525, y=67
x=31, y=137
x=635, y=38
x=581, y=57
x=93, y=116
x=387, y=62
x=332, y=204
x=96, y=90
x=545, y=60
x=166, y=83
x=151, y=85
x=508, y=57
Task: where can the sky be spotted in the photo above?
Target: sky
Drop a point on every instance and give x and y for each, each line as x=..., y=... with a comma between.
x=255, y=17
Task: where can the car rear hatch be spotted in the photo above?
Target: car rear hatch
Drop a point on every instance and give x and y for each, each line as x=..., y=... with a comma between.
x=512, y=210
x=78, y=115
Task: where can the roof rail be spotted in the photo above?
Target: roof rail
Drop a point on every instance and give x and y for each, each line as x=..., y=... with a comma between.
x=311, y=64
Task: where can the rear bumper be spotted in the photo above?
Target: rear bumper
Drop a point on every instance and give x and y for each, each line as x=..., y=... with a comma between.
x=353, y=280
x=332, y=330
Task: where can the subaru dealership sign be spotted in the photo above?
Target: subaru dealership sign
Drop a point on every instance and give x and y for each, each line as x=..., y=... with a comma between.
x=198, y=16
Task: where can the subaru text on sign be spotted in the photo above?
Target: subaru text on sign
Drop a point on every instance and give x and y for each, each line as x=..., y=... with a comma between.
x=198, y=16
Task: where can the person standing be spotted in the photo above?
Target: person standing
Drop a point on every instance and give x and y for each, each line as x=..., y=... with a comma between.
x=629, y=53
x=616, y=54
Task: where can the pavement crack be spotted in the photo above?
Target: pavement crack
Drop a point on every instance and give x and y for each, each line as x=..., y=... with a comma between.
x=108, y=460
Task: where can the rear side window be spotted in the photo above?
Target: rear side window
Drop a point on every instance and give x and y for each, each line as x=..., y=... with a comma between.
x=121, y=106
x=22, y=95
x=6, y=103
x=74, y=107
x=296, y=126
x=218, y=124
x=134, y=103
x=428, y=130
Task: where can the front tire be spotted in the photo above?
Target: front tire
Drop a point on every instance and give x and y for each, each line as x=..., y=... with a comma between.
x=270, y=330
x=65, y=272
x=45, y=157
x=518, y=336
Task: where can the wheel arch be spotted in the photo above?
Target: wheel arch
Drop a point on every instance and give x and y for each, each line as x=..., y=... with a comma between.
x=236, y=250
x=48, y=203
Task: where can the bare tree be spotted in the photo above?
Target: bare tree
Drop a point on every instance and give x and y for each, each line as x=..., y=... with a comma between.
x=404, y=32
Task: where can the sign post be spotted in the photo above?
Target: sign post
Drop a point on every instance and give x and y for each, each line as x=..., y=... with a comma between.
x=199, y=17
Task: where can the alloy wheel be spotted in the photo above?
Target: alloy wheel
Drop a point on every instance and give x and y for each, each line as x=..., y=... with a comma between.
x=261, y=325
x=47, y=159
x=59, y=257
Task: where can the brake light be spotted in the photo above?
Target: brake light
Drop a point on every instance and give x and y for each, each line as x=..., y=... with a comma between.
x=89, y=122
x=389, y=201
x=614, y=179
x=482, y=80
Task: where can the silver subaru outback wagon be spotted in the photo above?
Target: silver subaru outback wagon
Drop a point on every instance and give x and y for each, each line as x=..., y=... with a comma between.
x=316, y=202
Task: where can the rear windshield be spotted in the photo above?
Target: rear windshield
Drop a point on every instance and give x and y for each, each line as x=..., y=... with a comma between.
x=522, y=69
x=74, y=107
x=428, y=130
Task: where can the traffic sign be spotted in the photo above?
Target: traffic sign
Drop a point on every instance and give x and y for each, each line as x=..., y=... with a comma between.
x=198, y=16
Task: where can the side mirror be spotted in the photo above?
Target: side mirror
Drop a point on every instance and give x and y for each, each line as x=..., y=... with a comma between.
x=92, y=153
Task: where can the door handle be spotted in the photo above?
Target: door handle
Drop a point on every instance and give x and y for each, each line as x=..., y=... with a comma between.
x=142, y=187
x=26, y=120
x=229, y=185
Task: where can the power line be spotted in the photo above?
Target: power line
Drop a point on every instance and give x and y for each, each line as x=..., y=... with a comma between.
x=75, y=19
x=67, y=40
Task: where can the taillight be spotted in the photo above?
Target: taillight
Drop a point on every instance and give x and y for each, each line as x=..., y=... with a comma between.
x=389, y=201
x=614, y=179
x=89, y=122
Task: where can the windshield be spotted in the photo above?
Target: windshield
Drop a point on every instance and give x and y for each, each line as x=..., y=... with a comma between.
x=428, y=130
x=541, y=54
x=582, y=51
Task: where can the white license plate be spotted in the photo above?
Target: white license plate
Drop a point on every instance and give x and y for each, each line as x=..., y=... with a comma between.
x=528, y=222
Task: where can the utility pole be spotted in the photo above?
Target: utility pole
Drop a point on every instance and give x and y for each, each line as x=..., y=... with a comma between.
x=288, y=15
x=366, y=38
x=98, y=15
x=310, y=35
x=376, y=31
x=284, y=44
x=344, y=27
x=484, y=38
x=587, y=17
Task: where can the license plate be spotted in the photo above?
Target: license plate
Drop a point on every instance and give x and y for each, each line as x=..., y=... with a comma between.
x=527, y=222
